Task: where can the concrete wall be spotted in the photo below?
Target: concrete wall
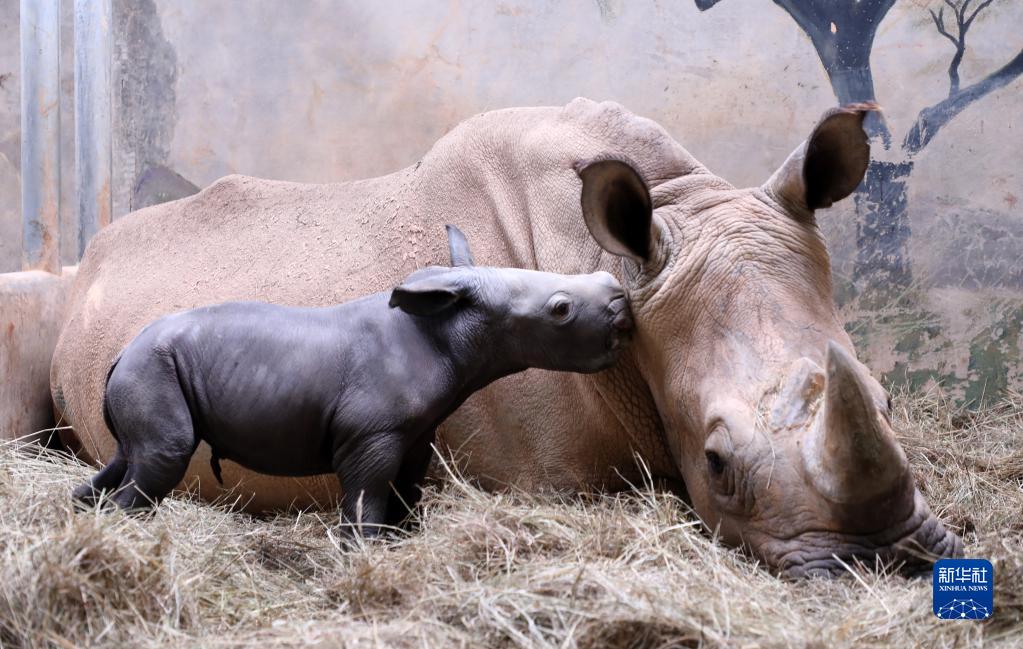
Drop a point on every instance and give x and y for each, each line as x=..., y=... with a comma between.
x=10, y=140
x=927, y=258
x=10, y=137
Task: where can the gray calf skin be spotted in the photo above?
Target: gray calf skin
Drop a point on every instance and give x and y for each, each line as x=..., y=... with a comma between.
x=358, y=388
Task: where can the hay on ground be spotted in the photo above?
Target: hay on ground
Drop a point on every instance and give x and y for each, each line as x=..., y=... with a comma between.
x=490, y=570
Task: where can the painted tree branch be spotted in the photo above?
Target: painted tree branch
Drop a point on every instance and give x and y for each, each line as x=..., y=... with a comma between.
x=979, y=8
x=939, y=22
x=958, y=42
x=959, y=39
x=933, y=118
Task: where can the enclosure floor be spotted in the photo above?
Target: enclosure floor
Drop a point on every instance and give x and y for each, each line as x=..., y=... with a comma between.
x=484, y=570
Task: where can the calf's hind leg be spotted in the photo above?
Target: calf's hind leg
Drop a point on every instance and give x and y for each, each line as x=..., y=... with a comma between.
x=107, y=479
x=154, y=427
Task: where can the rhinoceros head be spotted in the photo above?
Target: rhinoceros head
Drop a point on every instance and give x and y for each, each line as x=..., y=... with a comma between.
x=783, y=438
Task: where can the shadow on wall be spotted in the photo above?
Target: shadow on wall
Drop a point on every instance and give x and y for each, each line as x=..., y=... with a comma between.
x=159, y=184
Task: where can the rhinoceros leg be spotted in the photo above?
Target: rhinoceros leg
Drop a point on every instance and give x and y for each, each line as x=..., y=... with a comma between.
x=366, y=469
x=108, y=479
x=407, y=487
x=153, y=427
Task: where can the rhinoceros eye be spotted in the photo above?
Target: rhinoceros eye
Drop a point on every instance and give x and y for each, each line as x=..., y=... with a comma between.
x=715, y=463
x=560, y=308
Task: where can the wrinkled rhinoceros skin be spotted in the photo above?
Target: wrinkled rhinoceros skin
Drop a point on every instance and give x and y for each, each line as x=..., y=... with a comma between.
x=741, y=382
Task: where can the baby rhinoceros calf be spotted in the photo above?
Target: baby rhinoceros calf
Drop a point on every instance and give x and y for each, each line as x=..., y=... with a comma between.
x=358, y=388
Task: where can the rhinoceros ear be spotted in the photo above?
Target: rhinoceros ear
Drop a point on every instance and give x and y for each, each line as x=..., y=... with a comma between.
x=617, y=208
x=430, y=295
x=459, y=247
x=829, y=165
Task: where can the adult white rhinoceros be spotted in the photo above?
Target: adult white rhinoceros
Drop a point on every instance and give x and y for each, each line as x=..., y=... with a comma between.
x=741, y=383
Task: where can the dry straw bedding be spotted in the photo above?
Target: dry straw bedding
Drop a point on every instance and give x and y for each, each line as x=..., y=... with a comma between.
x=486, y=570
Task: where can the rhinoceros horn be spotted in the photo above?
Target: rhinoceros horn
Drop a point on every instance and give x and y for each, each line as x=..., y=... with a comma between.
x=851, y=454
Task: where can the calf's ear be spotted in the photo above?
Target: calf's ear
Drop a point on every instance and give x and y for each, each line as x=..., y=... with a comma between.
x=617, y=208
x=429, y=296
x=829, y=165
x=459, y=246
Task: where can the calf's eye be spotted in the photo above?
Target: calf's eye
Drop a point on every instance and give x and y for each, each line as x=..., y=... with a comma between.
x=560, y=309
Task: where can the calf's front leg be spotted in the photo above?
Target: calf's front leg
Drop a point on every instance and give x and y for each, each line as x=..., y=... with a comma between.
x=407, y=491
x=366, y=469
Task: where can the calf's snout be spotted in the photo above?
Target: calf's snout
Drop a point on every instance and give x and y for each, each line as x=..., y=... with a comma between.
x=607, y=279
x=621, y=314
x=622, y=323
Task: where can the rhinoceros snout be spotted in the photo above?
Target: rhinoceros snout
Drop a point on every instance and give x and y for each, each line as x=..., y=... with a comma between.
x=912, y=553
x=622, y=324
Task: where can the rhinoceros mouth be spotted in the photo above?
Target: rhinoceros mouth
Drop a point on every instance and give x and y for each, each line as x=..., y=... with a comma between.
x=909, y=550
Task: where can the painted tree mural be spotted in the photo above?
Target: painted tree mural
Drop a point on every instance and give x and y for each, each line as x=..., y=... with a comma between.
x=842, y=32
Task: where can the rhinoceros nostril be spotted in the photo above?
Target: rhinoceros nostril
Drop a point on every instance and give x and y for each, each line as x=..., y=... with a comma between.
x=621, y=315
x=622, y=321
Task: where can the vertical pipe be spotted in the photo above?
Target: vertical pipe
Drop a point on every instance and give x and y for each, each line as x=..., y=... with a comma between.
x=40, y=134
x=93, y=20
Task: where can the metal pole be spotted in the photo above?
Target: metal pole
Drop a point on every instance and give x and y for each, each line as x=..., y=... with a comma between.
x=93, y=20
x=40, y=134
